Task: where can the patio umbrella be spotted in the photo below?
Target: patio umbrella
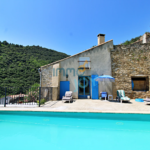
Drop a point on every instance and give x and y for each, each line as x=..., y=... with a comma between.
x=104, y=78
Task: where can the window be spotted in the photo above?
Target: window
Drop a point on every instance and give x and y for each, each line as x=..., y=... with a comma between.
x=140, y=83
x=84, y=63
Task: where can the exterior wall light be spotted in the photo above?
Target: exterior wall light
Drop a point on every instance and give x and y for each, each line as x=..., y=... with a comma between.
x=67, y=76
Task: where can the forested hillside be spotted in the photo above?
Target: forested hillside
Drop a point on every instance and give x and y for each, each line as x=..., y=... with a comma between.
x=19, y=64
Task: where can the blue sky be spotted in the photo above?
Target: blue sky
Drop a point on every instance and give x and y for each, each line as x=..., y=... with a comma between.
x=71, y=26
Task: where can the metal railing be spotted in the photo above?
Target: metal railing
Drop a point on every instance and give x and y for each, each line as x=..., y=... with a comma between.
x=25, y=95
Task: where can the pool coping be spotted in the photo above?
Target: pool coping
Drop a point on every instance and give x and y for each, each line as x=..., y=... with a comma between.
x=73, y=111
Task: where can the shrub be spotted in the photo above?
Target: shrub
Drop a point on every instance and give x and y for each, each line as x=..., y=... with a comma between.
x=32, y=93
x=42, y=101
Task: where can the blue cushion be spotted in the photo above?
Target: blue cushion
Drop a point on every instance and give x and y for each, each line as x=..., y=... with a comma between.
x=103, y=94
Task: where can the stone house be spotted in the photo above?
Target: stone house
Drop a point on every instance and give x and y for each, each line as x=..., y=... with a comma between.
x=131, y=69
x=129, y=65
x=76, y=73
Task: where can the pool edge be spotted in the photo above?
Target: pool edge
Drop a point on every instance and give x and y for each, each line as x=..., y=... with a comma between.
x=74, y=111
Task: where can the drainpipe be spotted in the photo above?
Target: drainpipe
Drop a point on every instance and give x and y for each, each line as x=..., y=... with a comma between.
x=39, y=70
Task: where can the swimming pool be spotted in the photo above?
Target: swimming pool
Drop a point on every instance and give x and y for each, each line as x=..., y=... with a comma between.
x=75, y=131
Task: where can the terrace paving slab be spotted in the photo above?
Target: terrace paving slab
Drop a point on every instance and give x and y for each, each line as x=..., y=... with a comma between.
x=85, y=105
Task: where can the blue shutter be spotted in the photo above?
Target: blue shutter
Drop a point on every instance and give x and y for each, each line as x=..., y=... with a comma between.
x=64, y=86
x=132, y=83
x=95, y=90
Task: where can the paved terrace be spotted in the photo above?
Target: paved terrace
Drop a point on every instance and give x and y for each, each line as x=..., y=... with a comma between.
x=85, y=106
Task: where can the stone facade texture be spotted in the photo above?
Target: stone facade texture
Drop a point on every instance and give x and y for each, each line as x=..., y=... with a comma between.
x=148, y=40
x=46, y=76
x=46, y=93
x=50, y=82
x=128, y=61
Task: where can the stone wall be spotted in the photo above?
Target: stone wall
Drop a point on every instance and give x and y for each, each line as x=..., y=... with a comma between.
x=148, y=40
x=50, y=80
x=46, y=93
x=128, y=61
x=46, y=76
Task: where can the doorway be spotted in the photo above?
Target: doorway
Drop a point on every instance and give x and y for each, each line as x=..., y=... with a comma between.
x=84, y=86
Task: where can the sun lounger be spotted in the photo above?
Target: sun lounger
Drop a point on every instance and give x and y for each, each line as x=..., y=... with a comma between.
x=121, y=96
x=147, y=100
x=67, y=97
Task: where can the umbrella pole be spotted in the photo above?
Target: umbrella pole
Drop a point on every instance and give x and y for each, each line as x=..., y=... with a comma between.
x=105, y=87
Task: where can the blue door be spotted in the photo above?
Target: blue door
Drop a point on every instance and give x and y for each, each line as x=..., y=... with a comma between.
x=64, y=86
x=84, y=86
x=94, y=87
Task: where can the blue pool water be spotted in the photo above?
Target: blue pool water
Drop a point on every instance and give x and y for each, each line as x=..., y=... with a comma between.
x=73, y=131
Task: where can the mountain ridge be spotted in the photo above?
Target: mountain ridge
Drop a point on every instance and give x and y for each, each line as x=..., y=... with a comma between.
x=19, y=64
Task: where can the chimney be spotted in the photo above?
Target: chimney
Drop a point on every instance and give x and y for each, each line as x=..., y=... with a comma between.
x=101, y=38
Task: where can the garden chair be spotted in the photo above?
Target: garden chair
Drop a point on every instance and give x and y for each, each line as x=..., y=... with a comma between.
x=67, y=97
x=104, y=95
x=121, y=96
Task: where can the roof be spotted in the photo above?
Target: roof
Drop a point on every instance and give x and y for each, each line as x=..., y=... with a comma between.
x=19, y=95
x=76, y=54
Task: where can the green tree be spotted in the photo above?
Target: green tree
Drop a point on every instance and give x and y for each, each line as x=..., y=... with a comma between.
x=19, y=65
